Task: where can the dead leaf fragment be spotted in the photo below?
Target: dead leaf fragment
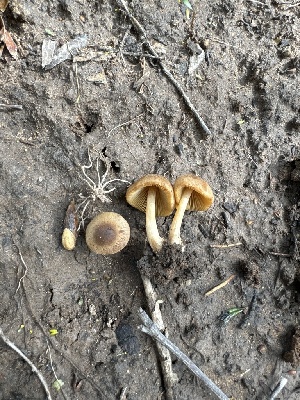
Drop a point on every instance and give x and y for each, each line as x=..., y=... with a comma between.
x=10, y=45
x=52, y=56
x=98, y=78
x=48, y=50
x=3, y=5
x=6, y=38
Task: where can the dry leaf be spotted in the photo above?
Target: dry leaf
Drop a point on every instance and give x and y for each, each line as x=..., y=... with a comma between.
x=97, y=78
x=52, y=56
x=3, y=4
x=10, y=44
x=8, y=40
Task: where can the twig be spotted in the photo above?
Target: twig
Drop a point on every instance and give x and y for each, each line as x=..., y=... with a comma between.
x=54, y=373
x=139, y=54
x=30, y=363
x=220, y=285
x=166, y=363
x=251, y=309
x=185, y=97
x=143, y=37
x=75, y=69
x=121, y=46
x=151, y=329
x=278, y=388
x=279, y=254
x=25, y=266
x=225, y=246
x=124, y=124
x=123, y=393
x=245, y=372
x=258, y=2
x=289, y=5
x=10, y=107
x=224, y=43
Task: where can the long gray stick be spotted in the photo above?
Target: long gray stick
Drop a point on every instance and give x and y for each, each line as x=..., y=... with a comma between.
x=151, y=329
x=169, y=377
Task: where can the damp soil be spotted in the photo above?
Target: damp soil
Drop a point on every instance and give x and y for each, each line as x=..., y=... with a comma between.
x=239, y=64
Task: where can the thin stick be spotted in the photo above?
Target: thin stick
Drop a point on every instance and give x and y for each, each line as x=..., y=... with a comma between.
x=279, y=254
x=225, y=246
x=33, y=367
x=25, y=266
x=54, y=373
x=77, y=83
x=258, y=2
x=165, y=358
x=123, y=393
x=124, y=124
x=290, y=5
x=10, y=107
x=220, y=285
x=225, y=43
x=151, y=329
x=143, y=36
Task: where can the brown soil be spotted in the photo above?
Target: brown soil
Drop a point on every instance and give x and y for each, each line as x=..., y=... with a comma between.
x=246, y=89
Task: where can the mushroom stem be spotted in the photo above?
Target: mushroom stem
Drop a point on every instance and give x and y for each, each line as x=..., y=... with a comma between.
x=174, y=236
x=154, y=239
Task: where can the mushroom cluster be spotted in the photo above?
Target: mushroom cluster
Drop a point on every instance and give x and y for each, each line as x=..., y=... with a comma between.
x=154, y=195
x=109, y=232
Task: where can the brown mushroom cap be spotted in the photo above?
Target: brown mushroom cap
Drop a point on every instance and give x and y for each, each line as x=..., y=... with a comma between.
x=201, y=197
x=137, y=193
x=107, y=233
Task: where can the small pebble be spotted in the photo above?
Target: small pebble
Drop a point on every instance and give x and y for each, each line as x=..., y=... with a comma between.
x=292, y=372
x=230, y=207
x=262, y=349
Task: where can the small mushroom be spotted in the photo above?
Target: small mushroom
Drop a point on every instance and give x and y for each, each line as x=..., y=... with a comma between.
x=107, y=233
x=152, y=194
x=191, y=193
x=71, y=223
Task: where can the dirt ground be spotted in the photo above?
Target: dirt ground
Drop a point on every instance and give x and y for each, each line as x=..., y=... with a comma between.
x=115, y=102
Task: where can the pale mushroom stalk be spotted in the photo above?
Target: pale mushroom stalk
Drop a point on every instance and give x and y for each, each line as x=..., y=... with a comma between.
x=153, y=236
x=174, y=236
x=154, y=195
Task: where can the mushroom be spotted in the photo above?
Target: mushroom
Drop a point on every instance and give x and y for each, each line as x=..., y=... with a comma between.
x=191, y=193
x=152, y=194
x=71, y=223
x=107, y=233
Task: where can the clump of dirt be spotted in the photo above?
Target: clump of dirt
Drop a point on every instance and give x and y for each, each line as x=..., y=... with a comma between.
x=251, y=272
x=295, y=174
x=287, y=272
x=293, y=355
x=127, y=338
x=170, y=264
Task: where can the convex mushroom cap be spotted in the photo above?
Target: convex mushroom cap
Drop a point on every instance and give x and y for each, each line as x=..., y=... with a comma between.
x=152, y=194
x=107, y=233
x=191, y=193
